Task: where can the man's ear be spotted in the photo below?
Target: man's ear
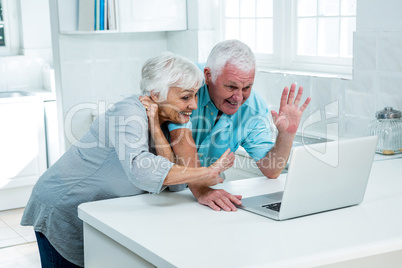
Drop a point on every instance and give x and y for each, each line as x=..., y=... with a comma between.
x=207, y=75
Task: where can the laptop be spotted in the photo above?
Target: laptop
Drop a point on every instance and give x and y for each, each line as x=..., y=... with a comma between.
x=321, y=177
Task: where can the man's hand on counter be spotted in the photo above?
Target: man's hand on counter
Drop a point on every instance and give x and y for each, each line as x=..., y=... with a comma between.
x=217, y=199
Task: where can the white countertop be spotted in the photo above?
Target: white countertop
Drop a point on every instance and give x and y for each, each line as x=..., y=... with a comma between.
x=172, y=229
x=45, y=95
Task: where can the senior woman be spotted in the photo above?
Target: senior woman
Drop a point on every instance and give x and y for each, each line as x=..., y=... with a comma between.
x=119, y=156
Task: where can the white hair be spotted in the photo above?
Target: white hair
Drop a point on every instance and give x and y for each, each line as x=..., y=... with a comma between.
x=234, y=52
x=169, y=70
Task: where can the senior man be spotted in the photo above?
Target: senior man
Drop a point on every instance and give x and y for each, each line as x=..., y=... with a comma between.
x=231, y=114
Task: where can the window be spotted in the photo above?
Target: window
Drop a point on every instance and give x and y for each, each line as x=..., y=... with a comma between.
x=2, y=37
x=251, y=21
x=304, y=35
x=9, y=28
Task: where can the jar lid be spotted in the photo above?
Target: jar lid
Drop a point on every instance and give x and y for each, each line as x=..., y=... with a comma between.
x=388, y=113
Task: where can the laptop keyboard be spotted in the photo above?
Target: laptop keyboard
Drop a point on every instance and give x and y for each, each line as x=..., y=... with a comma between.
x=274, y=206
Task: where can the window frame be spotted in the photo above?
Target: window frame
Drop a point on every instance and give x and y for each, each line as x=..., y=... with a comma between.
x=284, y=57
x=11, y=28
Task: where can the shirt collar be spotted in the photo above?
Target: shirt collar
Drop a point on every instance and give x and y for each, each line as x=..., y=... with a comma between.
x=204, y=96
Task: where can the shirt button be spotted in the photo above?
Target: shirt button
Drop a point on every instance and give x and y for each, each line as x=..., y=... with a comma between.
x=206, y=106
x=212, y=113
x=200, y=155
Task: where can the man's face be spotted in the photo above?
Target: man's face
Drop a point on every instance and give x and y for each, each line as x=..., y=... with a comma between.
x=231, y=88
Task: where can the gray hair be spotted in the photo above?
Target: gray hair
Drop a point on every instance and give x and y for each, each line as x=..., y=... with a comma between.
x=169, y=70
x=234, y=52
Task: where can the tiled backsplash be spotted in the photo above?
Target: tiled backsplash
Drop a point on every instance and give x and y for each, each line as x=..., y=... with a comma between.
x=24, y=72
x=376, y=83
x=98, y=70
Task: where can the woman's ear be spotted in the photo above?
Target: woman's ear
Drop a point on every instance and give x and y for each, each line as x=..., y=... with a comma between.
x=154, y=96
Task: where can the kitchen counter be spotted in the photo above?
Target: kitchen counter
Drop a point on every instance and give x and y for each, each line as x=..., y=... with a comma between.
x=173, y=230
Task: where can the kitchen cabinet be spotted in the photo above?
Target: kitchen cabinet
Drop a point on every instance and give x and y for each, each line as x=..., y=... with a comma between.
x=131, y=16
x=23, y=147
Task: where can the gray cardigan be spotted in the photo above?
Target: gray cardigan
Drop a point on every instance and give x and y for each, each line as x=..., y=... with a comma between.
x=113, y=159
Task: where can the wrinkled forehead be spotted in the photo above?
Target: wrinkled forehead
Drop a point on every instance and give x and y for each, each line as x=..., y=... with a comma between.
x=233, y=74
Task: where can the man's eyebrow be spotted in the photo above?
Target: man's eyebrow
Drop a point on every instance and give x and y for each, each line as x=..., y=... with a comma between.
x=232, y=83
x=189, y=90
x=249, y=85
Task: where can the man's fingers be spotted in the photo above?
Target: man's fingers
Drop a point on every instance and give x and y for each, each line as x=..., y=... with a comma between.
x=235, y=199
x=284, y=97
x=212, y=205
x=223, y=205
x=228, y=201
x=299, y=96
x=305, y=104
x=291, y=94
x=222, y=200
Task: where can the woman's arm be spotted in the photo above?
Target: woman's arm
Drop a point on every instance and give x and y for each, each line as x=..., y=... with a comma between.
x=208, y=176
x=179, y=174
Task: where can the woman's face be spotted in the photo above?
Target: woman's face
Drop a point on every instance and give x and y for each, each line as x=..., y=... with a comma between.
x=179, y=105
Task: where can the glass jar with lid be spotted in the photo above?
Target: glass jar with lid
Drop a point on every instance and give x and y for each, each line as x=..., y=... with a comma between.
x=388, y=128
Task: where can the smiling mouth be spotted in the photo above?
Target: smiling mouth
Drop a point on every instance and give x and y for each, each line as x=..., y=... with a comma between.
x=186, y=113
x=233, y=103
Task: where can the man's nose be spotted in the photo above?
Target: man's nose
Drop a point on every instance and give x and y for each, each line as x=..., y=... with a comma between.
x=238, y=95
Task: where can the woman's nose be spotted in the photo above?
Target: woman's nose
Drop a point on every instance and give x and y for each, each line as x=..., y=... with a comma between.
x=193, y=104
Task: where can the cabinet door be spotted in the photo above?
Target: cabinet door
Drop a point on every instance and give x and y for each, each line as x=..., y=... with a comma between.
x=151, y=15
x=22, y=143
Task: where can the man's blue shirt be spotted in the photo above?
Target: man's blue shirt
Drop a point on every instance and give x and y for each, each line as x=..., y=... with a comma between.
x=249, y=127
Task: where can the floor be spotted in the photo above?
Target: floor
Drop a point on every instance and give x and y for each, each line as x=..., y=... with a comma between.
x=17, y=243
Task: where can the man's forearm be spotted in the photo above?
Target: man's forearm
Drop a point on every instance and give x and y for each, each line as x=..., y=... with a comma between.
x=184, y=148
x=275, y=161
x=186, y=155
x=162, y=146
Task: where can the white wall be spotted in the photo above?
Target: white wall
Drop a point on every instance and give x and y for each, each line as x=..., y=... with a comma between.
x=35, y=20
x=97, y=69
x=375, y=15
x=198, y=40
